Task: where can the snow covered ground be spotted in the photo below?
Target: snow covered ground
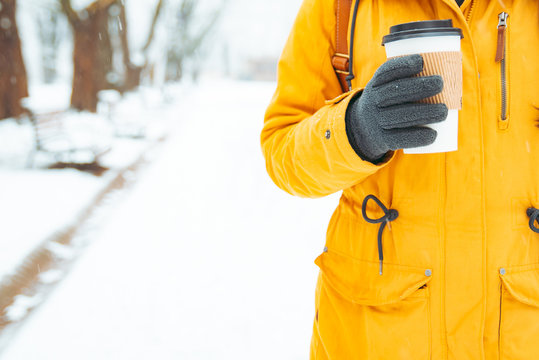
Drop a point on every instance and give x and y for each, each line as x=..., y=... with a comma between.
x=206, y=259
x=37, y=202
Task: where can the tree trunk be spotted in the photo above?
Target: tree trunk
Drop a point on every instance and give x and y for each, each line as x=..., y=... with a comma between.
x=92, y=59
x=92, y=52
x=132, y=72
x=13, y=80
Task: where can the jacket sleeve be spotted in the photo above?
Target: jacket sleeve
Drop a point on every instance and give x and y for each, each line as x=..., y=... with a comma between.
x=304, y=137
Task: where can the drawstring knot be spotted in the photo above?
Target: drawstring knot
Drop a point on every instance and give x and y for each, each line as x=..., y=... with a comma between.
x=389, y=215
x=533, y=213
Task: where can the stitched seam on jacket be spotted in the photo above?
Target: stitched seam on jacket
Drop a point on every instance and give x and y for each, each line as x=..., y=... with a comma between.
x=402, y=267
x=364, y=301
x=441, y=216
x=321, y=81
x=337, y=24
x=521, y=268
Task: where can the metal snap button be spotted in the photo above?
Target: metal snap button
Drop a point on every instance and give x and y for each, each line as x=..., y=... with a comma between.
x=328, y=134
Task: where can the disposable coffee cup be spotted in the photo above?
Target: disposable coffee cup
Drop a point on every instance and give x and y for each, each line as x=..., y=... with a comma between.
x=438, y=42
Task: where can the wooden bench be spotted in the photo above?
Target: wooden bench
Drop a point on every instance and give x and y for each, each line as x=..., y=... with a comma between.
x=51, y=138
x=125, y=127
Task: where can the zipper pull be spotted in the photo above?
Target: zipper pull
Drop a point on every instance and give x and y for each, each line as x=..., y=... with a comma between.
x=502, y=26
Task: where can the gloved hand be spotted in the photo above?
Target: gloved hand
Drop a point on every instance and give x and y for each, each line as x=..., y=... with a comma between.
x=386, y=116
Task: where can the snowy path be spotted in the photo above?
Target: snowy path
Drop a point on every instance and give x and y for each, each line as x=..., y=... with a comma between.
x=206, y=259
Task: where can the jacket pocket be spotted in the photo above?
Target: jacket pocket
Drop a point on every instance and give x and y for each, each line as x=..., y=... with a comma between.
x=519, y=313
x=364, y=315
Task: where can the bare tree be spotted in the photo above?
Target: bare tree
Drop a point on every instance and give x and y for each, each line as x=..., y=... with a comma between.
x=100, y=36
x=151, y=33
x=13, y=79
x=132, y=72
x=187, y=36
x=92, y=51
x=51, y=34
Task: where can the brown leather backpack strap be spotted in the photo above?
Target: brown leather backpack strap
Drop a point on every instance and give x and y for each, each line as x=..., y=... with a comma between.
x=340, y=60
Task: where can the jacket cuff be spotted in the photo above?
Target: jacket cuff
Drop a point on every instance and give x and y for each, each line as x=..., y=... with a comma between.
x=350, y=112
x=338, y=126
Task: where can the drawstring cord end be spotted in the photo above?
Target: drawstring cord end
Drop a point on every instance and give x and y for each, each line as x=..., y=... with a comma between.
x=533, y=214
x=389, y=215
x=349, y=79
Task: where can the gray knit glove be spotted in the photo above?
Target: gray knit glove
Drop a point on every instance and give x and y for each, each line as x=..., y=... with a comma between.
x=386, y=116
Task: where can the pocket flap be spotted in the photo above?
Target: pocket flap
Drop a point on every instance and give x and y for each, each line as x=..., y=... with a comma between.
x=523, y=283
x=359, y=281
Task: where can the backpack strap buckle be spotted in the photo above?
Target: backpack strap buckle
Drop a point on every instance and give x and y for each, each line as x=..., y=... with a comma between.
x=341, y=63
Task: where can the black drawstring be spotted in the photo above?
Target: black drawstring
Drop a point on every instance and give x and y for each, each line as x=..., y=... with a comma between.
x=351, y=76
x=389, y=215
x=533, y=213
x=392, y=214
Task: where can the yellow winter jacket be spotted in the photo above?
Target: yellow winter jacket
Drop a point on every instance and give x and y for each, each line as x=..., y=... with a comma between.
x=461, y=263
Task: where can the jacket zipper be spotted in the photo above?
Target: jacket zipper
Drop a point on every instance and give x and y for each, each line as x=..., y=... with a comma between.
x=469, y=17
x=501, y=57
